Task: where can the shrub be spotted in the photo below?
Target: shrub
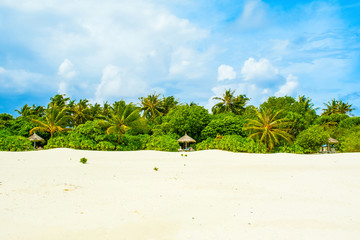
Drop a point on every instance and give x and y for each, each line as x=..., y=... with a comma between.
x=224, y=124
x=233, y=143
x=15, y=143
x=105, y=146
x=83, y=160
x=312, y=138
x=162, y=143
x=351, y=142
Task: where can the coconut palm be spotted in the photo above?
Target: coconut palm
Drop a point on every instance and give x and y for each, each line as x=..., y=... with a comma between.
x=230, y=103
x=269, y=128
x=168, y=103
x=337, y=107
x=24, y=111
x=122, y=118
x=55, y=120
x=306, y=103
x=151, y=106
x=80, y=112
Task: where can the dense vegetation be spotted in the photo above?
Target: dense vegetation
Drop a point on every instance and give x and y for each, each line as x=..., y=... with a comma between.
x=281, y=124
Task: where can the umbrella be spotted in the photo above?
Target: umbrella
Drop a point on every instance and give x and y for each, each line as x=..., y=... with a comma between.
x=36, y=138
x=186, y=139
x=333, y=140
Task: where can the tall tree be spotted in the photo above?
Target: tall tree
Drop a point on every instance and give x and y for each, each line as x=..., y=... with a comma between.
x=80, y=112
x=268, y=128
x=168, y=103
x=337, y=107
x=24, y=111
x=55, y=120
x=151, y=106
x=122, y=118
x=230, y=103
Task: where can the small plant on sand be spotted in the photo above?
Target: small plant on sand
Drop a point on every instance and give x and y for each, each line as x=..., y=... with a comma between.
x=185, y=155
x=156, y=169
x=83, y=160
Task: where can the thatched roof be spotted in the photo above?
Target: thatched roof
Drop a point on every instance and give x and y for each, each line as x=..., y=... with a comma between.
x=36, y=138
x=333, y=140
x=186, y=138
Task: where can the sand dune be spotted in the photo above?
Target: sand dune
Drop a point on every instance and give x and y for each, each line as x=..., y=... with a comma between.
x=49, y=194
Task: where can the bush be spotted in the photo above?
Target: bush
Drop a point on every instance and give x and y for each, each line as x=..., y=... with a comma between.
x=58, y=142
x=312, y=138
x=351, y=142
x=83, y=160
x=105, y=146
x=233, y=143
x=162, y=143
x=224, y=124
x=132, y=143
x=15, y=143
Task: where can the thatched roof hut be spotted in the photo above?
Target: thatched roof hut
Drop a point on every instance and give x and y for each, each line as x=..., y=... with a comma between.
x=186, y=139
x=333, y=140
x=36, y=138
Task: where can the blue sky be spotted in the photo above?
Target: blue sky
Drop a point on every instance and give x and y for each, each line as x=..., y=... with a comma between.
x=110, y=50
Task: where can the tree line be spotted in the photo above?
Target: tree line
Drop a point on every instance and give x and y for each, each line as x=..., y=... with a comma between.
x=280, y=124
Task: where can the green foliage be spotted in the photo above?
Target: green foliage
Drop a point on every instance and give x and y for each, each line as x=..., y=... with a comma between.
x=185, y=119
x=132, y=143
x=21, y=126
x=224, y=124
x=349, y=122
x=233, y=143
x=83, y=160
x=61, y=141
x=162, y=143
x=15, y=143
x=330, y=121
x=350, y=141
x=312, y=138
x=105, y=146
x=229, y=103
x=290, y=148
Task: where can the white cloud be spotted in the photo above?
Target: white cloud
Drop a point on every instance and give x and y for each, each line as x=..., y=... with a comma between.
x=253, y=15
x=288, y=88
x=263, y=73
x=66, y=69
x=20, y=81
x=226, y=72
x=117, y=84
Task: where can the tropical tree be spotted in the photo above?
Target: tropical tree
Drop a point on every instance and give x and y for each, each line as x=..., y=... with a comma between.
x=305, y=102
x=59, y=100
x=337, y=107
x=230, y=103
x=122, y=118
x=269, y=128
x=55, y=120
x=80, y=112
x=151, y=106
x=168, y=103
x=24, y=111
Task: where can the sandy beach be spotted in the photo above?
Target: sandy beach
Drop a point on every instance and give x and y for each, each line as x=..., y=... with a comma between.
x=49, y=194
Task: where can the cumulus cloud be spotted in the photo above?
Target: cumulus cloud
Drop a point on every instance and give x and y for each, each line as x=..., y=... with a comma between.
x=66, y=69
x=116, y=84
x=288, y=88
x=226, y=72
x=19, y=81
x=261, y=72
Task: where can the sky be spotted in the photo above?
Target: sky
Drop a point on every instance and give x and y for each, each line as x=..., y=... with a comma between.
x=124, y=49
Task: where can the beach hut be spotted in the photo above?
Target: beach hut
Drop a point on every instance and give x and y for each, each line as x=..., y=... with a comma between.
x=332, y=141
x=36, y=138
x=186, y=139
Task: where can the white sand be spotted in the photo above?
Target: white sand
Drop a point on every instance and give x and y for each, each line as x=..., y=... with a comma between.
x=50, y=195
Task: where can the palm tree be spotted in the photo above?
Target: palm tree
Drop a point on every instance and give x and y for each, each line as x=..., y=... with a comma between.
x=122, y=118
x=306, y=103
x=168, y=103
x=151, y=106
x=24, y=111
x=230, y=103
x=80, y=112
x=269, y=128
x=337, y=107
x=55, y=120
